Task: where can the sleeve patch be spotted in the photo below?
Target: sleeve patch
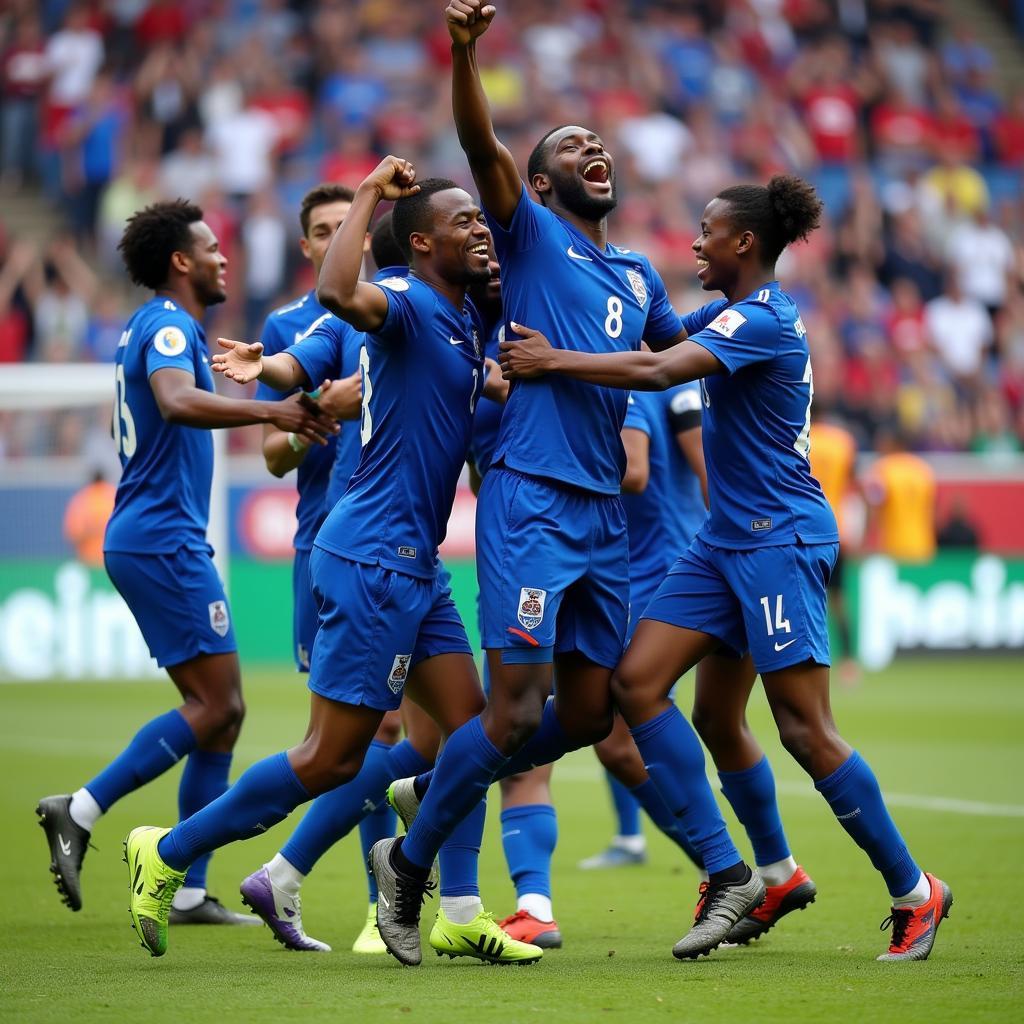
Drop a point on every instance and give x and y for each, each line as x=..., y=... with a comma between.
x=727, y=323
x=394, y=284
x=685, y=401
x=170, y=341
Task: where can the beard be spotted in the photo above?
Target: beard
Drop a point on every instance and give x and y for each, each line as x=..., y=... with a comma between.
x=574, y=197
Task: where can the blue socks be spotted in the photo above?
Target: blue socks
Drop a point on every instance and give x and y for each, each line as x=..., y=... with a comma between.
x=529, y=834
x=646, y=795
x=853, y=794
x=547, y=744
x=675, y=761
x=157, y=746
x=458, y=857
x=265, y=794
x=752, y=795
x=465, y=770
x=204, y=779
x=627, y=810
x=377, y=825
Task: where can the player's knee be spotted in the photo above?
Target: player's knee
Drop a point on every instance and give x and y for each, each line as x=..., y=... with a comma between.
x=718, y=732
x=512, y=723
x=630, y=694
x=592, y=728
x=390, y=730
x=618, y=755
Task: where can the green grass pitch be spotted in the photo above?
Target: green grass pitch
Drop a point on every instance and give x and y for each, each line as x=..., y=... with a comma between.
x=944, y=737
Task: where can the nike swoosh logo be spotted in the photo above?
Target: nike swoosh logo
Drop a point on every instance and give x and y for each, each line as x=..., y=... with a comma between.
x=302, y=335
x=456, y=341
x=65, y=846
x=576, y=256
x=782, y=647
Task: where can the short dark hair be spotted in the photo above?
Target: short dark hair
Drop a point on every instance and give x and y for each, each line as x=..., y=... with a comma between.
x=785, y=209
x=537, y=163
x=152, y=235
x=413, y=212
x=384, y=248
x=325, y=192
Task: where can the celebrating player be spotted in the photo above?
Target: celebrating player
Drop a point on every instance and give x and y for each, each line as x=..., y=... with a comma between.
x=382, y=608
x=155, y=548
x=755, y=575
x=551, y=533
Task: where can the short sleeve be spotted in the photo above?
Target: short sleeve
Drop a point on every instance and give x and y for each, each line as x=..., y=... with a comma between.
x=273, y=340
x=683, y=407
x=319, y=353
x=700, y=318
x=662, y=320
x=171, y=345
x=406, y=310
x=530, y=222
x=636, y=415
x=742, y=335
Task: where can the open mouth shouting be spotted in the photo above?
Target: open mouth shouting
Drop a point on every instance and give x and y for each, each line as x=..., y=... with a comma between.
x=597, y=172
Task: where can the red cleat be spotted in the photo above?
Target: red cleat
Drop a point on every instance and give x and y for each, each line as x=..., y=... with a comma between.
x=522, y=925
x=779, y=900
x=914, y=928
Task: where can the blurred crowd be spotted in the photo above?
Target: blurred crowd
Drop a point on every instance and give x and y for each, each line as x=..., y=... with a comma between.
x=912, y=292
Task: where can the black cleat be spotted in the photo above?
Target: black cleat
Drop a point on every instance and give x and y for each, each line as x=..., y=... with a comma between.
x=68, y=842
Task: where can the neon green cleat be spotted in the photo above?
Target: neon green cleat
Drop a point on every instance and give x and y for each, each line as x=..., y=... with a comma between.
x=482, y=939
x=153, y=885
x=369, y=940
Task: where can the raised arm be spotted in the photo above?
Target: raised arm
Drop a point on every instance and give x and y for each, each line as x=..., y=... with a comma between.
x=494, y=171
x=339, y=289
x=532, y=356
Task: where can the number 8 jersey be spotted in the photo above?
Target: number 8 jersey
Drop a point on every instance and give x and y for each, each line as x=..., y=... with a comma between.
x=163, y=498
x=554, y=279
x=756, y=418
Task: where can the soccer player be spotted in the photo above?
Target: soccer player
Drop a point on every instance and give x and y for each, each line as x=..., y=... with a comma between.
x=332, y=349
x=551, y=532
x=382, y=608
x=756, y=573
x=155, y=547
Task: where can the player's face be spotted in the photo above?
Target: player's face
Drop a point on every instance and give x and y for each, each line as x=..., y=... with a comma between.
x=208, y=264
x=324, y=222
x=581, y=172
x=715, y=247
x=489, y=293
x=461, y=240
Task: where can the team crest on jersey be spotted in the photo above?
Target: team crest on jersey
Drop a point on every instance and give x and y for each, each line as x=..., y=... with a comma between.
x=399, y=672
x=169, y=341
x=219, y=621
x=531, y=607
x=727, y=323
x=395, y=284
x=636, y=282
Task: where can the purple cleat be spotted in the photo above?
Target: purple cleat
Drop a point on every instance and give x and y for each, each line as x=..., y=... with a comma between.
x=280, y=911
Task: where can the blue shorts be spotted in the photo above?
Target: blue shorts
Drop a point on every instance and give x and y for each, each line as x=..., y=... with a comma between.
x=178, y=601
x=304, y=616
x=770, y=601
x=641, y=593
x=375, y=626
x=553, y=567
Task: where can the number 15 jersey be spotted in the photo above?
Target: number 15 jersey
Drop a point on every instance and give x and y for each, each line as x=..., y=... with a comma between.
x=554, y=279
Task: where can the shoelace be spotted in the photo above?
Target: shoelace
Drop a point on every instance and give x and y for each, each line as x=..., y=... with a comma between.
x=409, y=897
x=899, y=919
x=702, y=908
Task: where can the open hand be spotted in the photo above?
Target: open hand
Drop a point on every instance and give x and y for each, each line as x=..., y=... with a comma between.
x=468, y=20
x=239, y=361
x=529, y=355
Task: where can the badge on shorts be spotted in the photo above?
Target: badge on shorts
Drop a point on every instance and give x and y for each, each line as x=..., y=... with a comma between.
x=219, y=621
x=531, y=607
x=399, y=672
x=636, y=282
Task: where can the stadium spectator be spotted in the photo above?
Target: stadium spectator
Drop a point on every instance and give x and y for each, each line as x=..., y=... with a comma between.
x=960, y=330
x=982, y=257
x=23, y=74
x=85, y=519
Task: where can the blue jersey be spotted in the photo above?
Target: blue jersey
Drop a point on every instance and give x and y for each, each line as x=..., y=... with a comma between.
x=555, y=280
x=349, y=441
x=757, y=419
x=487, y=419
x=285, y=327
x=163, y=499
x=664, y=518
x=422, y=376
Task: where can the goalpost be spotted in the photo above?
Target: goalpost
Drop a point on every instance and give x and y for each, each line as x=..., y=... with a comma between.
x=40, y=387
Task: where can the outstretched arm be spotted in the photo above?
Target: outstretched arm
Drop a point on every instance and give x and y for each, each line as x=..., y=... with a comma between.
x=494, y=171
x=243, y=362
x=364, y=306
x=532, y=356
